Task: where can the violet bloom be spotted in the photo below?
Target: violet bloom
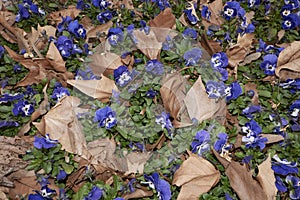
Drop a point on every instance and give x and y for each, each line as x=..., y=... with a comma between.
x=154, y=67
x=201, y=142
x=270, y=49
x=269, y=64
x=233, y=91
x=281, y=187
x=250, y=110
x=190, y=33
x=115, y=36
x=223, y=72
x=284, y=167
x=59, y=92
x=106, y=117
x=10, y=97
x=205, y=13
x=8, y=124
x=292, y=84
x=295, y=108
x=164, y=121
x=219, y=60
x=215, y=89
x=64, y=23
x=95, y=194
x=221, y=145
x=44, y=142
x=1, y=51
x=44, y=193
x=104, y=16
x=64, y=45
x=61, y=175
x=122, y=76
x=192, y=57
x=162, y=4
x=23, y=13
x=294, y=181
x=231, y=9
x=290, y=22
x=252, y=3
x=119, y=198
x=251, y=128
x=294, y=3
x=77, y=29
x=161, y=186
x=23, y=107
x=102, y=4
x=254, y=140
x=151, y=93
x=191, y=17
x=286, y=10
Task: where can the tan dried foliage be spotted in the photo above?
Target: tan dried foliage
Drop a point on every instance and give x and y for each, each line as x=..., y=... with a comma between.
x=37, y=39
x=288, y=64
x=61, y=124
x=216, y=18
x=243, y=183
x=93, y=32
x=42, y=68
x=7, y=19
x=56, y=17
x=195, y=176
x=250, y=58
x=138, y=193
x=98, y=89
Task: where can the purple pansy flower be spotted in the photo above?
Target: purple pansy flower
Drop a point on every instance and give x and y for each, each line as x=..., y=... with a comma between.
x=250, y=110
x=8, y=124
x=115, y=36
x=154, y=67
x=205, y=12
x=191, y=17
x=77, y=29
x=231, y=9
x=219, y=60
x=252, y=3
x=215, y=89
x=294, y=181
x=44, y=193
x=10, y=97
x=201, y=142
x=221, y=144
x=164, y=121
x=254, y=140
x=189, y=33
x=95, y=194
x=290, y=22
x=151, y=93
x=122, y=76
x=252, y=128
x=295, y=108
x=44, y=142
x=23, y=13
x=59, y=92
x=23, y=107
x=294, y=3
x=102, y=4
x=104, y=16
x=106, y=117
x=161, y=186
x=61, y=175
x=233, y=91
x=64, y=45
x=269, y=64
x=280, y=185
x=1, y=51
x=284, y=167
x=192, y=57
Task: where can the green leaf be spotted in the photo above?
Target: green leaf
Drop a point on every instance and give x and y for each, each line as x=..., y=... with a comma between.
x=68, y=168
x=265, y=93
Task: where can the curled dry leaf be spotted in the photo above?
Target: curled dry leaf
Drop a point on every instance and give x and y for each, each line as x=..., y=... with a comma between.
x=200, y=107
x=288, y=64
x=196, y=176
x=216, y=18
x=41, y=68
x=210, y=46
x=138, y=193
x=243, y=183
x=36, y=38
x=61, y=124
x=56, y=17
x=55, y=59
x=7, y=19
x=251, y=57
x=98, y=89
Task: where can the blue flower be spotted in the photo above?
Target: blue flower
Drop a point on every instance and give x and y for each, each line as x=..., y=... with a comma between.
x=2, y=50
x=201, y=142
x=189, y=33
x=64, y=45
x=104, y=16
x=63, y=24
x=233, y=91
x=280, y=185
x=106, y=117
x=290, y=22
x=151, y=93
x=44, y=193
x=284, y=167
x=23, y=107
x=162, y=4
x=154, y=67
x=10, y=97
x=81, y=5
x=86, y=75
x=144, y=27
x=61, y=175
x=164, y=121
x=219, y=60
x=8, y=124
x=231, y=9
x=295, y=183
x=247, y=159
x=168, y=44
x=115, y=36
x=269, y=64
x=95, y=194
x=191, y=17
x=192, y=57
x=251, y=128
x=263, y=47
x=295, y=108
x=23, y=13
x=161, y=186
x=254, y=140
x=59, y=92
x=223, y=72
x=119, y=198
x=44, y=143
x=252, y=3
x=221, y=144
x=227, y=196
x=294, y=3
x=205, y=12
x=250, y=110
x=215, y=89
x=122, y=76
x=77, y=29
x=286, y=10
x=102, y=4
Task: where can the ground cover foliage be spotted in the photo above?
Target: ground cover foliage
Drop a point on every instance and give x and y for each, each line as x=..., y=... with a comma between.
x=150, y=99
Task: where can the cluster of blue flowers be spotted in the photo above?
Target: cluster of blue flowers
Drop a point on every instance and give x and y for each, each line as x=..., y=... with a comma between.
x=287, y=169
x=253, y=136
x=290, y=14
x=217, y=90
x=26, y=8
x=161, y=186
x=59, y=91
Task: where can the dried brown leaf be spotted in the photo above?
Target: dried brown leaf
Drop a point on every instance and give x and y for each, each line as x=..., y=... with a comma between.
x=55, y=59
x=288, y=64
x=280, y=34
x=216, y=18
x=200, y=107
x=98, y=89
x=7, y=19
x=209, y=45
x=173, y=91
x=136, y=162
x=94, y=32
x=138, y=193
x=272, y=138
x=165, y=19
x=148, y=44
x=56, y=17
x=61, y=124
x=251, y=57
x=196, y=176
x=243, y=183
